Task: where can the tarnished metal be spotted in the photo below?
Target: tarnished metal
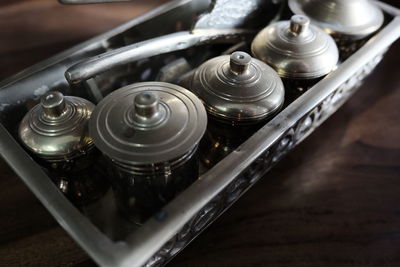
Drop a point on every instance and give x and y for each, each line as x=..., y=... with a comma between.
x=349, y=22
x=296, y=49
x=149, y=132
x=238, y=88
x=181, y=220
x=239, y=93
x=57, y=128
x=224, y=24
x=56, y=133
x=351, y=19
x=147, y=123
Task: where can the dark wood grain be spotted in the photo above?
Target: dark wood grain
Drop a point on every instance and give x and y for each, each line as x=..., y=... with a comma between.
x=333, y=201
x=31, y=31
x=34, y=30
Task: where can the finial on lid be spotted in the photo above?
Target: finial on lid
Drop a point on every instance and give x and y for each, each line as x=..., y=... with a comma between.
x=299, y=24
x=146, y=104
x=53, y=104
x=239, y=62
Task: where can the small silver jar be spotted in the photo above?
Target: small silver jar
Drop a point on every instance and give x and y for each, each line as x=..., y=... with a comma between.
x=149, y=132
x=56, y=133
x=240, y=93
x=349, y=22
x=300, y=53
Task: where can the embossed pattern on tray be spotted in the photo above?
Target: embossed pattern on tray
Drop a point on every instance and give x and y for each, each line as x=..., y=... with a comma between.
x=292, y=137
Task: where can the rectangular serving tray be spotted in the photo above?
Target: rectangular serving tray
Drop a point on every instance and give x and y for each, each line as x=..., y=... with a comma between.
x=164, y=235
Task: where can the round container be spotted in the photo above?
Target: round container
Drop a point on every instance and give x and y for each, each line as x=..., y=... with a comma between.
x=240, y=93
x=56, y=133
x=300, y=53
x=150, y=133
x=349, y=22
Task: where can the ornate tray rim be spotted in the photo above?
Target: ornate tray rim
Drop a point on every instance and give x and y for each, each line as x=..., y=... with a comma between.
x=160, y=238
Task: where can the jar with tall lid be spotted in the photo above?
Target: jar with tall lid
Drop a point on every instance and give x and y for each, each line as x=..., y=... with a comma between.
x=149, y=133
x=349, y=22
x=240, y=94
x=56, y=134
x=301, y=53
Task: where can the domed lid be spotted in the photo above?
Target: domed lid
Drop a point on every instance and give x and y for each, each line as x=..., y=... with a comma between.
x=57, y=128
x=238, y=88
x=296, y=49
x=148, y=122
x=354, y=18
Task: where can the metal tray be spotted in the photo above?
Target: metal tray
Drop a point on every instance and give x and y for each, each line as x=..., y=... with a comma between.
x=107, y=238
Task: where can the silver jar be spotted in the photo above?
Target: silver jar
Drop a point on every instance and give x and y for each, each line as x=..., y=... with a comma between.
x=349, y=22
x=299, y=52
x=240, y=93
x=56, y=133
x=149, y=132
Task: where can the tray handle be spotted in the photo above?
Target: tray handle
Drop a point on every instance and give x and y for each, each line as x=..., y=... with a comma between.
x=156, y=46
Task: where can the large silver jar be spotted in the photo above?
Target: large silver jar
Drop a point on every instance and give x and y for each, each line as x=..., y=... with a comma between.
x=240, y=93
x=149, y=132
x=299, y=52
x=57, y=135
x=349, y=22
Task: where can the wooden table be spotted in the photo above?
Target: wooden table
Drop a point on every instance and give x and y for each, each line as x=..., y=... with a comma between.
x=333, y=201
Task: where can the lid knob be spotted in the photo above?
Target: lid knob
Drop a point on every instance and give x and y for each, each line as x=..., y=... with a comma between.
x=53, y=104
x=147, y=110
x=239, y=62
x=299, y=24
x=146, y=105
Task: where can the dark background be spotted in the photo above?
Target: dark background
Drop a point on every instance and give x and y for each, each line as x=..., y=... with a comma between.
x=333, y=201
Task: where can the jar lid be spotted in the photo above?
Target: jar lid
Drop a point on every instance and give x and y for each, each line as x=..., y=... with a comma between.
x=148, y=122
x=354, y=18
x=238, y=88
x=296, y=49
x=57, y=128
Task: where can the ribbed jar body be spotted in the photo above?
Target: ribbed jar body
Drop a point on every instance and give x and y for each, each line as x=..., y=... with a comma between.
x=149, y=132
x=141, y=190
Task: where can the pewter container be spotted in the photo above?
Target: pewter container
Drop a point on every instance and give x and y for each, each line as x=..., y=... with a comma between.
x=300, y=52
x=161, y=238
x=240, y=93
x=56, y=133
x=349, y=22
x=149, y=133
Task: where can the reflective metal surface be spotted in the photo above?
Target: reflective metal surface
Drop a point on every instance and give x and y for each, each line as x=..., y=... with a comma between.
x=161, y=45
x=149, y=122
x=224, y=24
x=238, y=88
x=56, y=132
x=185, y=217
x=149, y=132
x=57, y=128
x=354, y=19
x=296, y=49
